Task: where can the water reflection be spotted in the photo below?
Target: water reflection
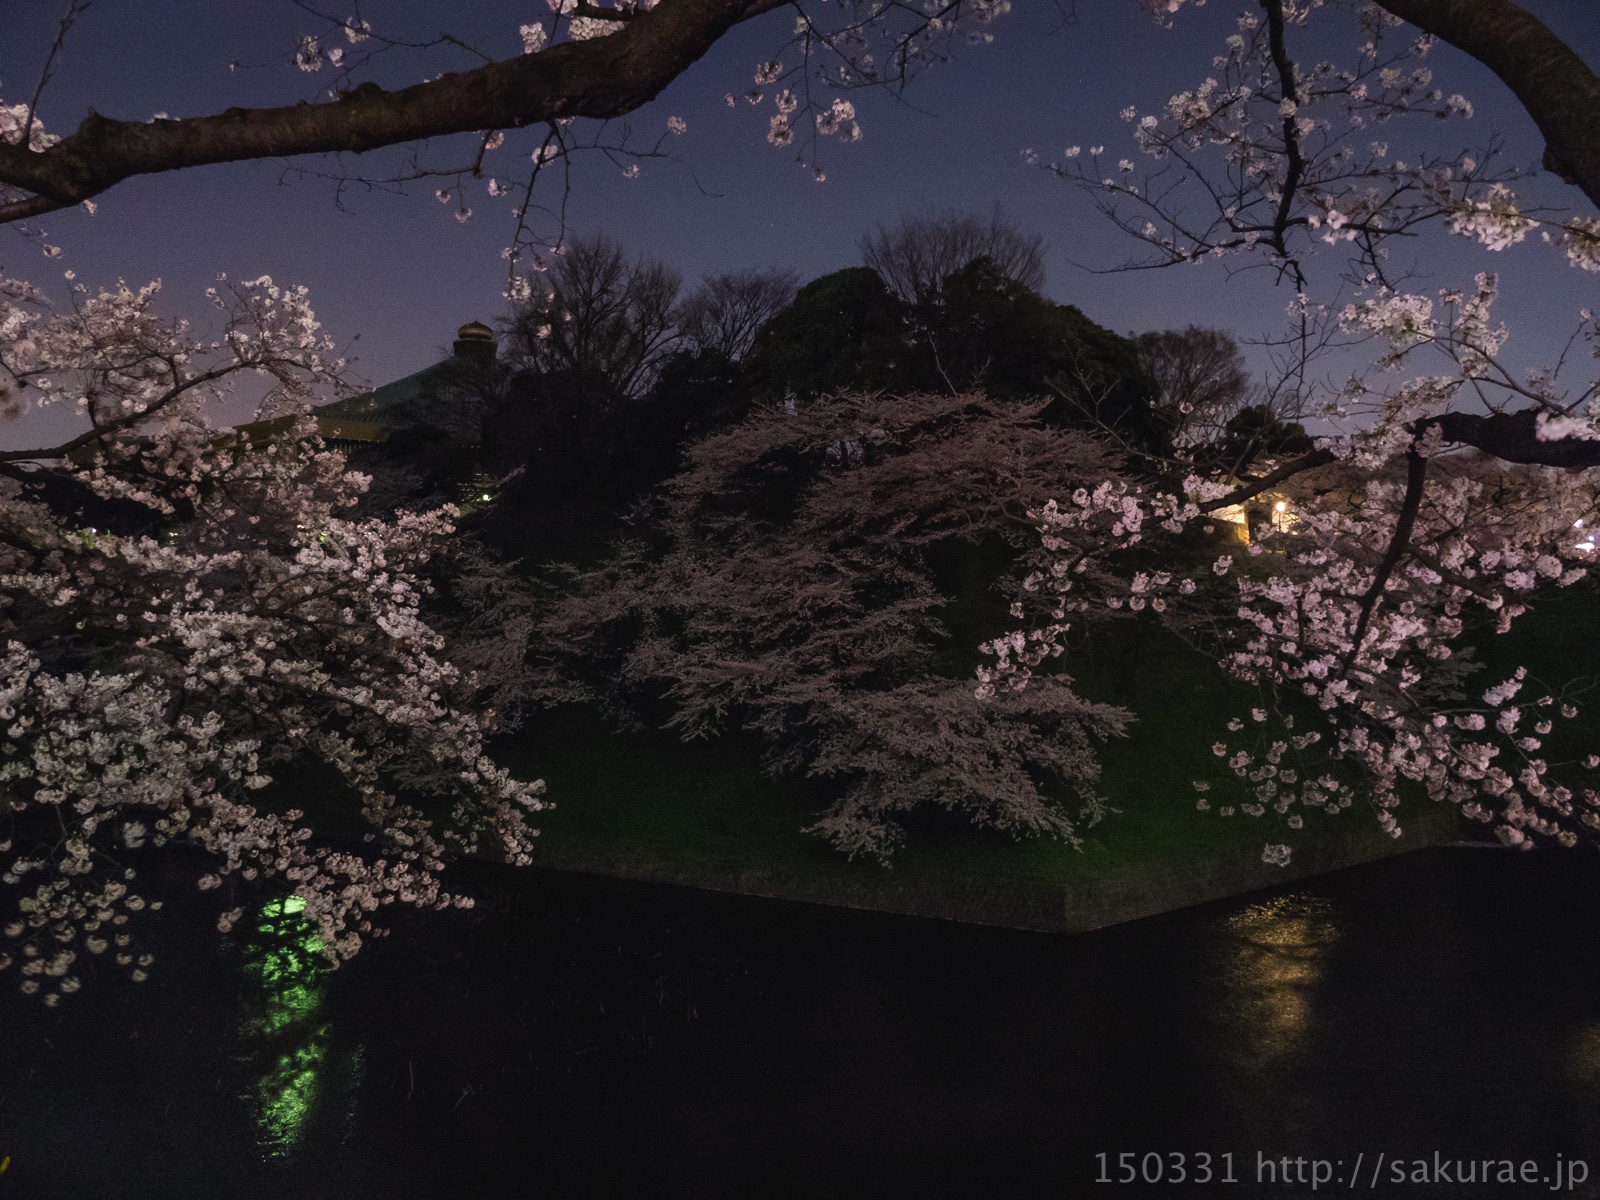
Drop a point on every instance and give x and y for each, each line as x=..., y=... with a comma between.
x=283, y=1035
x=1583, y=1083
x=601, y=1038
x=1583, y=1056
x=1274, y=956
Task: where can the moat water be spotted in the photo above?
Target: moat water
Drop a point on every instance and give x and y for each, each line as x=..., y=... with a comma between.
x=586, y=1037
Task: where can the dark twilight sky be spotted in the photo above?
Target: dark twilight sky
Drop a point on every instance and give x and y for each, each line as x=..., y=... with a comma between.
x=402, y=273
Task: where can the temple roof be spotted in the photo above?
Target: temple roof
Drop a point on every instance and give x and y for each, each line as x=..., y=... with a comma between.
x=370, y=416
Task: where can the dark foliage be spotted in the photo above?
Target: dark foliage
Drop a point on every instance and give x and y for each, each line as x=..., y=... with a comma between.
x=568, y=451
x=844, y=331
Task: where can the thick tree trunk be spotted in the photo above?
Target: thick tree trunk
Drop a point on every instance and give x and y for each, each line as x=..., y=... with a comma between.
x=1513, y=438
x=1510, y=437
x=1559, y=90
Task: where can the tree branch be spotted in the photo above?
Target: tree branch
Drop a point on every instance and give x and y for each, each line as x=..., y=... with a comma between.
x=1294, y=161
x=1416, y=477
x=1513, y=438
x=1306, y=462
x=32, y=206
x=101, y=429
x=1510, y=437
x=1559, y=90
x=603, y=77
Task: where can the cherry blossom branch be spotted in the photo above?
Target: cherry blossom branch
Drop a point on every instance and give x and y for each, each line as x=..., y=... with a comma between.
x=1294, y=162
x=103, y=428
x=1405, y=522
x=600, y=77
x=1306, y=462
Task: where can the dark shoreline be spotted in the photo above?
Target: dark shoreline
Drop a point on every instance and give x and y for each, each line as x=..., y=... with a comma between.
x=1007, y=899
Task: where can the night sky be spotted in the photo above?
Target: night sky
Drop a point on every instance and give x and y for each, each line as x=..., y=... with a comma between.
x=401, y=273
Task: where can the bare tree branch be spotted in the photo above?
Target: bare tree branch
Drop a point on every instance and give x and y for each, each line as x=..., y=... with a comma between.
x=916, y=258
x=47, y=72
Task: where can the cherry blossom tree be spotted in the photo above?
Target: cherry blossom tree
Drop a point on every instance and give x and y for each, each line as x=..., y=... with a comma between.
x=796, y=596
x=1360, y=614
x=1350, y=616
x=201, y=649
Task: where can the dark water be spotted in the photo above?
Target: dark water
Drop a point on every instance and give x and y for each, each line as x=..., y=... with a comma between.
x=585, y=1037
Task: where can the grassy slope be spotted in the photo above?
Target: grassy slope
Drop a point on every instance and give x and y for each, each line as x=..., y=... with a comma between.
x=661, y=797
x=648, y=792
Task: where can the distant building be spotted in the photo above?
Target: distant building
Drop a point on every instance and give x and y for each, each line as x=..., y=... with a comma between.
x=371, y=417
x=1275, y=509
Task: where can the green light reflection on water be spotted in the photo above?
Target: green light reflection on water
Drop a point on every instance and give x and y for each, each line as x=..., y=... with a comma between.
x=284, y=1041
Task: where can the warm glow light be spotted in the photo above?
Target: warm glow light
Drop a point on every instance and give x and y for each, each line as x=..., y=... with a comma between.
x=1280, y=506
x=1274, y=958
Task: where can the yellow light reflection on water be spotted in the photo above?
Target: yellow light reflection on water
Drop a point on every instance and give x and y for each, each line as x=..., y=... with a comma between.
x=1274, y=957
x=1583, y=1056
x=1583, y=1082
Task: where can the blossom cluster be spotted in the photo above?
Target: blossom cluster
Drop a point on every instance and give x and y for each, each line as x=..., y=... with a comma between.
x=858, y=44
x=1376, y=685
x=1330, y=613
x=1288, y=157
x=199, y=647
x=793, y=596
